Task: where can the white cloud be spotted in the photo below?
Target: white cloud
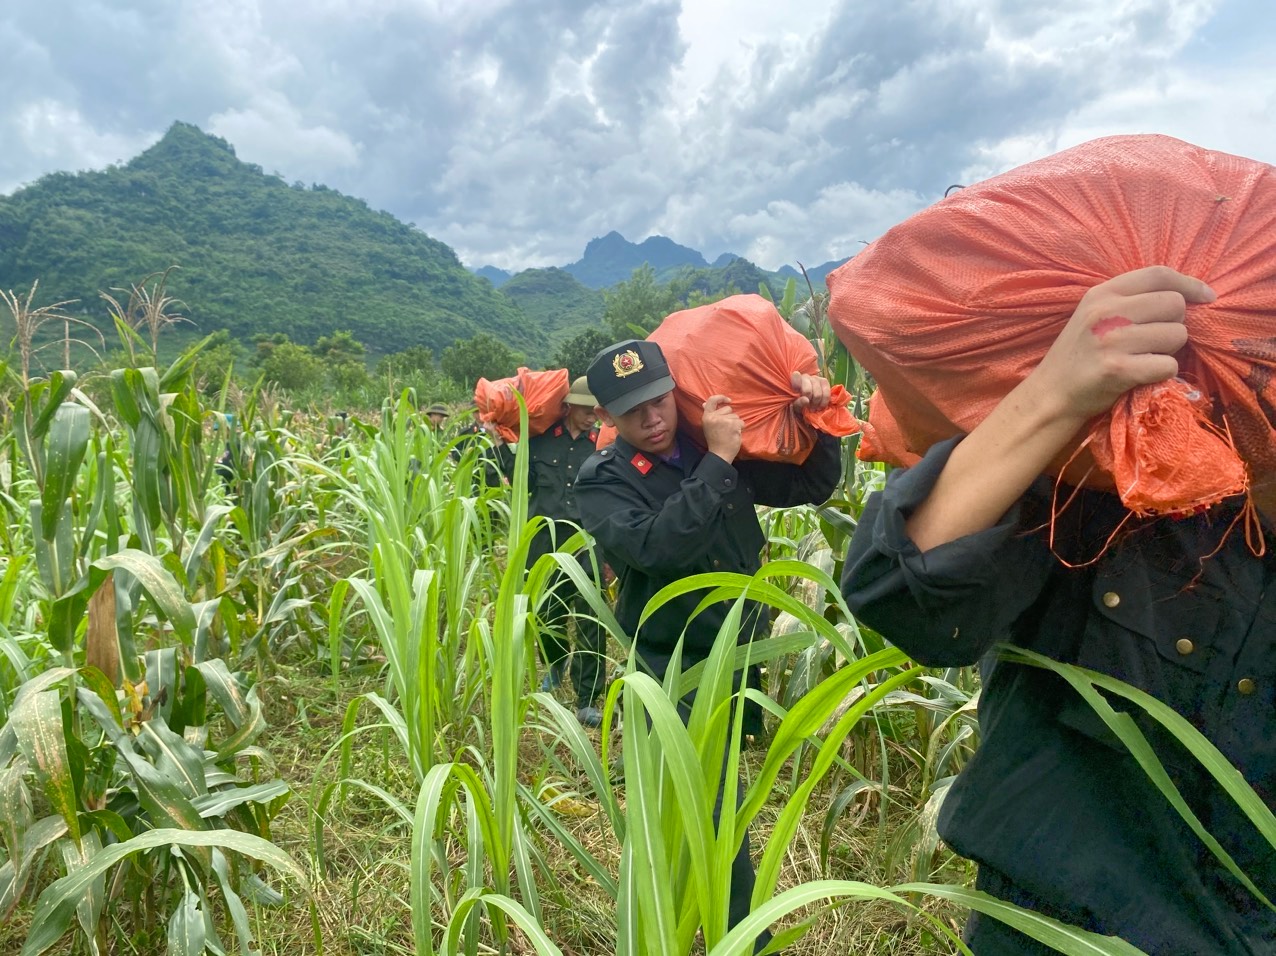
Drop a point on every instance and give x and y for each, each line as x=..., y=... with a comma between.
x=517, y=131
x=53, y=136
x=272, y=133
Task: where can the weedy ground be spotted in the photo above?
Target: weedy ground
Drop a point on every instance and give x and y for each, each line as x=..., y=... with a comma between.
x=362, y=901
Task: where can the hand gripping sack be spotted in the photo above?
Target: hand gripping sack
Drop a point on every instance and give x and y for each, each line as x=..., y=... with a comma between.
x=542, y=391
x=741, y=347
x=951, y=309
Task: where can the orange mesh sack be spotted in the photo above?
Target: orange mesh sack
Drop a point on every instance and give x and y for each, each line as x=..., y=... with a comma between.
x=542, y=391
x=951, y=309
x=741, y=347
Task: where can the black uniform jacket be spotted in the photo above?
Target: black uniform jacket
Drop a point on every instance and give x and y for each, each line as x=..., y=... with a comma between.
x=1051, y=800
x=659, y=522
x=554, y=462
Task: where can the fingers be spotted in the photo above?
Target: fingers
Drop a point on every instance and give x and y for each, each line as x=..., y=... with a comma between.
x=1150, y=369
x=1158, y=279
x=714, y=402
x=1163, y=338
x=813, y=391
x=1147, y=307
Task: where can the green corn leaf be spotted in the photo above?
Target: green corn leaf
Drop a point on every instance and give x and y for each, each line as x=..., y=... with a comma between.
x=195, y=556
x=220, y=803
x=162, y=799
x=55, y=556
x=226, y=690
x=186, y=930
x=246, y=732
x=160, y=586
x=67, y=441
x=174, y=758
x=126, y=404
x=336, y=617
x=13, y=879
x=238, y=914
x=511, y=908
x=649, y=889
x=1058, y=936
x=15, y=809
x=147, y=476
x=37, y=720
x=162, y=667
x=89, y=909
x=181, y=367
x=431, y=803
x=108, y=821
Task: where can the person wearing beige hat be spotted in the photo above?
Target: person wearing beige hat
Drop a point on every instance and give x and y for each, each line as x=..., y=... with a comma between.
x=554, y=459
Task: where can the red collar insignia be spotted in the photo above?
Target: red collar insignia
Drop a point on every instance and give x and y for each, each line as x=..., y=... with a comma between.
x=593, y=435
x=558, y=432
x=642, y=463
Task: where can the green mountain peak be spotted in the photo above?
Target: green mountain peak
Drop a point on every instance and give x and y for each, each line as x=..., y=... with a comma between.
x=256, y=254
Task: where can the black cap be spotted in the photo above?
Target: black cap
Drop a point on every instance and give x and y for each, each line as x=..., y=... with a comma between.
x=627, y=374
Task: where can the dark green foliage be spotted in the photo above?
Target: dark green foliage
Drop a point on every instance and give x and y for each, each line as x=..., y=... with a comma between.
x=636, y=306
x=554, y=301
x=577, y=352
x=255, y=253
x=483, y=356
x=216, y=358
x=287, y=364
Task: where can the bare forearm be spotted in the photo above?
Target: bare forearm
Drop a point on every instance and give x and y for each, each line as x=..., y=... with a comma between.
x=994, y=465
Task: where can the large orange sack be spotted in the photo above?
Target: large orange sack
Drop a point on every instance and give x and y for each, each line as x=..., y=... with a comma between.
x=543, y=393
x=954, y=307
x=741, y=347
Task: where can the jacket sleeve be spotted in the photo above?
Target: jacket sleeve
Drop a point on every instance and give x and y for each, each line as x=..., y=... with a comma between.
x=949, y=606
x=675, y=538
x=782, y=485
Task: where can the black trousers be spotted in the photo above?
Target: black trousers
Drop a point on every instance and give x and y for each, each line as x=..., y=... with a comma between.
x=588, y=666
x=743, y=878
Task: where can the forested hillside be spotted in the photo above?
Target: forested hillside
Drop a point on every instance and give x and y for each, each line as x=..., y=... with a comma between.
x=555, y=302
x=256, y=254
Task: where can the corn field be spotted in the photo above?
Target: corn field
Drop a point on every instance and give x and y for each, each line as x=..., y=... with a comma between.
x=287, y=702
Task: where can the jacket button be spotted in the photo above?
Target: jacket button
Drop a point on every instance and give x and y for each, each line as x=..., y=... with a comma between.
x=1184, y=646
x=1246, y=686
x=717, y=563
x=1111, y=599
x=730, y=506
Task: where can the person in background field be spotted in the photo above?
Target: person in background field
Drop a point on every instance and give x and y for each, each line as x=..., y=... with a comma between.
x=437, y=414
x=554, y=460
x=225, y=466
x=662, y=509
x=953, y=557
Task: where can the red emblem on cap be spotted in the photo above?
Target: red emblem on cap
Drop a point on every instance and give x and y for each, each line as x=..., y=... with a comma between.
x=642, y=463
x=626, y=363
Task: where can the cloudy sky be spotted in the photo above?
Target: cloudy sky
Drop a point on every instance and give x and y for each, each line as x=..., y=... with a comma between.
x=516, y=130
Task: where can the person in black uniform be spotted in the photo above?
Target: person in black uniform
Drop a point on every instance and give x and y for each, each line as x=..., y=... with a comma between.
x=554, y=460
x=662, y=509
x=952, y=557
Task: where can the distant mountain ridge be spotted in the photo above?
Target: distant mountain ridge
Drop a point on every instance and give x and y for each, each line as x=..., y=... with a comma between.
x=612, y=259
x=256, y=254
